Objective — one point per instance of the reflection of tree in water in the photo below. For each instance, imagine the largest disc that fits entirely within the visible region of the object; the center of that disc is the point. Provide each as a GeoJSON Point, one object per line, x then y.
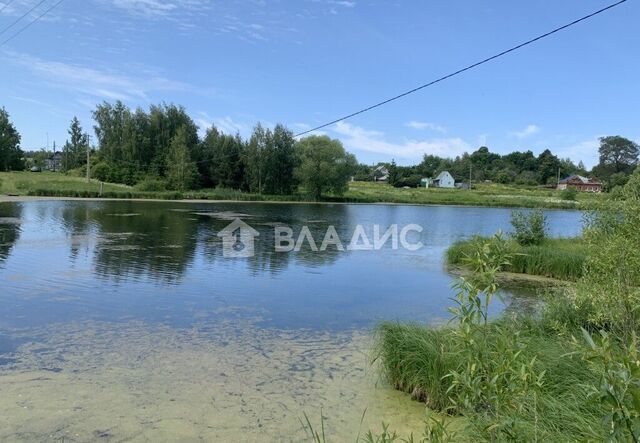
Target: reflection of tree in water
{"type": "Point", "coordinates": [77, 221]}
{"type": "Point", "coordinates": [144, 239]}
{"type": "Point", "coordinates": [10, 214]}
{"type": "Point", "coordinates": [317, 218]}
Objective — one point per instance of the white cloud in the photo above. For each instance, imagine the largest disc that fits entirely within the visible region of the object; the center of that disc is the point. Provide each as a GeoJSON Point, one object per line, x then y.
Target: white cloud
{"type": "Point", "coordinates": [224, 124]}
{"type": "Point", "coordinates": [346, 4]}
{"type": "Point", "coordinates": [526, 132]}
{"type": "Point", "coordinates": [585, 151]}
{"type": "Point", "coordinates": [146, 7]}
{"type": "Point", "coordinates": [105, 84]}
{"type": "Point", "coordinates": [355, 137]}
{"type": "Point", "coordinates": [425, 125]}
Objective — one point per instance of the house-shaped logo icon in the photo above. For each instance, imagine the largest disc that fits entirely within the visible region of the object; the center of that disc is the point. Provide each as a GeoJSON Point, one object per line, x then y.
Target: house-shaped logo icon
{"type": "Point", "coordinates": [238, 239]}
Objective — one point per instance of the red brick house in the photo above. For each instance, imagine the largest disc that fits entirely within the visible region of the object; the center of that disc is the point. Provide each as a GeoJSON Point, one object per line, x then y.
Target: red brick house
{"type": "Point", "coordinates": [583, 184]}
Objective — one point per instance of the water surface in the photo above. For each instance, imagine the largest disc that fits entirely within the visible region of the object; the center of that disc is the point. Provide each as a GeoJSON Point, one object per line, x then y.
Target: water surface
{"type": "Point", "coordinates": [123, 320]}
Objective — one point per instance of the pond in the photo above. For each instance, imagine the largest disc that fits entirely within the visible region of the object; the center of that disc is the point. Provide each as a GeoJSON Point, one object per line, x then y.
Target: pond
{"type": "Point", "coordinates": [124, 320]}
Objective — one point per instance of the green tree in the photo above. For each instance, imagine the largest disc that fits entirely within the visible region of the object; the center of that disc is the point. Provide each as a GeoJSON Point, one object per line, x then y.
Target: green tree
{"type": "Point", "coordinates": [181, 171]}
{"type": "Point", "coordinates": [75, 149]}
{"type": "Point", "coordinates": [10, 152]}
{"type": "Point", "coordinates": [618, 153]}
{"type": "Point", "coordinates": [255, 159]}
{"type": "Point", "coordinates": [324, 165]}
{"type": "Point", "coordinates": [394, 174]}
{"type": "Point", "coordinates": [220, 159]}
{"type": "Point", "coordinates": [548, 166]}
{"type": "Point", "coordinates": [280, 162]}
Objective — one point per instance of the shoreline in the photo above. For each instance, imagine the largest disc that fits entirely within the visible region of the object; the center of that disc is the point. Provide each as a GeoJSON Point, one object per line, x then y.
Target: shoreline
{"type": "Point", "coordinates": [27, 198]}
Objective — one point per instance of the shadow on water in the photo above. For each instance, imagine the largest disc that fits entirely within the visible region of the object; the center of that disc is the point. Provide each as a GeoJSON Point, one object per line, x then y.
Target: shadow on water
{"type": "Point", "coordinates": [10, 219]}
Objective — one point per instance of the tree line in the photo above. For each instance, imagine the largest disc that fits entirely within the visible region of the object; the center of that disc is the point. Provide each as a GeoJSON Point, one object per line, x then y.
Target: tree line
{"type": "Point", "coordinates": [160, 148]}
{"type": "Point", "coordinates": [618, 157]}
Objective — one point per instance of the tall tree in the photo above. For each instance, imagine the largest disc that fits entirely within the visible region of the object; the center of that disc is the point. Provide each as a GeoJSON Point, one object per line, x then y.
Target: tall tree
{"type": "Point", "coordinates": [181, 171]}
{"type": "Point", "coordinates": [255, 159]}
{"type": "Point", "coordinates": [281, 162]}
{"type": "Point", "coordinates": [618, 153]}
{"type": "Point", "coordinates": [548, 165]}
{"type": "Point", "coordinates": [394, 174]}
{"type": "Point", "coordinates": [324, 165]}
{"type": "Point", "coordinates": [220, 159]}
{"type": "Point", "coordinates": [10, 152]}
{"type": "Point", "coordinates": [75, 149]}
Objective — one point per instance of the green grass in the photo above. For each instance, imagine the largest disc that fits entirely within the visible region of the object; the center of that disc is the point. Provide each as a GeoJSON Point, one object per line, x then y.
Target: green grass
{"type": "Point", "coordinates": [22, 183]}
{"type": "Point", "coordinates": [482, 195]}
{"type": "Point", "coordinates": [60, 185]}
{"type": "Point", "coordinates": [416, 359]}
{"type": "Point", "coordinates": [559, 258]}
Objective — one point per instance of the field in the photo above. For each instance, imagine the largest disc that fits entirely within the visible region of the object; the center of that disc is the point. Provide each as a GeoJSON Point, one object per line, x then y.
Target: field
{"type": "Point", "coordinates": [60, 185]}
{"type": "Point", "coordinates": [483, 194]}
{"type": "Point", "coordinates": [22, 183]}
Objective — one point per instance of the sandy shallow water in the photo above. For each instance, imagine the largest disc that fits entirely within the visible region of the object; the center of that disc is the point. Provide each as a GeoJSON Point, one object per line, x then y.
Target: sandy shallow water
{"type": "Point", "coordinates": [232, 382]}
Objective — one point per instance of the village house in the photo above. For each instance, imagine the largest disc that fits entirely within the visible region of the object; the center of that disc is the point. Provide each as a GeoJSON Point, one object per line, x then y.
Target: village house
{"type": "Point", "coordinates": [580, 183]}
{"type": "Point", "coordinates": [444, 180]}
{"type": "Point", "coordinates": [54, 162]}
{"type": "Point", "coordinates": [381, 174]}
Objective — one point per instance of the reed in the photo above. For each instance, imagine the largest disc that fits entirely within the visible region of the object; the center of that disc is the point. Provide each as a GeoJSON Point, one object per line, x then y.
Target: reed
{"type": "Point", "coordinates": [559, 258]}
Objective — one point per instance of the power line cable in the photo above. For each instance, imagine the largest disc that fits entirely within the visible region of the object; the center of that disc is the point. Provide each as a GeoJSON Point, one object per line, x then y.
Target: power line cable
{"type": "Point", "coordinates": [28, 25]}
{"type": "Point", "coordinates": [5, 5]}
{"type": "Point", "coordinates": [21, 17]}
{"type": "Point", "coordinates": [467, 68]}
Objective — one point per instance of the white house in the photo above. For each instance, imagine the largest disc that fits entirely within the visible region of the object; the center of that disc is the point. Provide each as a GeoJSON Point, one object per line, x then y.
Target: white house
{"type": "Point", "coordinates": [444, 180]}
{"type": "Point", "coordinates": [381, 174]}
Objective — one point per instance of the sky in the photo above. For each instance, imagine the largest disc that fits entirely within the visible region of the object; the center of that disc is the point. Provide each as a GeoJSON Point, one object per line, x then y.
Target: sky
{"type": "Point", "coordinates": [305, 62]}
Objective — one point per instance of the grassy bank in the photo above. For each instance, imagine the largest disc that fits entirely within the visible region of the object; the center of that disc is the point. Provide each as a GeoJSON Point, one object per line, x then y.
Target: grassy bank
{"type": "Point", "coordinates": [59, 185]}
{"type": "Point", "coordinates": [483, 194]}
{"type": "Point", "coordinates": [420, 360]}
{"type": "Point", "coordinates": [558, 258]}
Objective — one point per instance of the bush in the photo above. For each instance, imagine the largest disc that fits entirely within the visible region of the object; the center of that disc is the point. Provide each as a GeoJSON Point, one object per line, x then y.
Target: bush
{"type": "Point", "coordinates": [100, 171]}
{"type": "Point", "coordinates": [529, 227]}
{"type": "Point", "coordinates": [412, 181]}
{"type": "Point", "coordinates": [570, 194]}
{"type": "Point", "coordinates": [151, 184]}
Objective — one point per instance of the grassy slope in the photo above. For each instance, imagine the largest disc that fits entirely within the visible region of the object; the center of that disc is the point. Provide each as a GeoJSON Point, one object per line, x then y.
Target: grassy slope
{"type": "Point", "coordinates": [20, 183]}
{"type": "Point", "coordinates": [56, 184]}
{"type": "Point", "coordinates": [483, 195]}
{"type": "Point", "coordinates": [559, 258]}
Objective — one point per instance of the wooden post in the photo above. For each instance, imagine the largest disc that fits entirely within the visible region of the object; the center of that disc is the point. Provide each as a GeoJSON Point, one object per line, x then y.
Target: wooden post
{"type": "Point", "coordinates": [88, 154]}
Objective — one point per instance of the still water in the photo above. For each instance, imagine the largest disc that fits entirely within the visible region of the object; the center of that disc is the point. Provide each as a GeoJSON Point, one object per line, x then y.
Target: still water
{"type": "Point", "coordinates": [124, 321]}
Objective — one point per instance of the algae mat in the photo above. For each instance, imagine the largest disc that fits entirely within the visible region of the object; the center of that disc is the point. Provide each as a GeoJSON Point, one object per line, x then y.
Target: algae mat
{"type": "Point", "coordinates": [96, 381]}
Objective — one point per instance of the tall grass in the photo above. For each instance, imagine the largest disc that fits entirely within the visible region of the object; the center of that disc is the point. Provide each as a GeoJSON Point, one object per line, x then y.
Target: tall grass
{"type": "Point", "coordinates": [559, 258]}
{"type": "Point", "coordinates": [417, 359]}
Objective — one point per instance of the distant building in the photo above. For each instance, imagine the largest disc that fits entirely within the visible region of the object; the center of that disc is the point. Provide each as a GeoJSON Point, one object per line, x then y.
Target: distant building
{"type": "Point", "coordinates": [426, 182]}
{"type": "Point", "coordinates": [444, 180]}
{"type": "Point", "coordinates": [54, 162]}
{"type": "Point", "coordinates": [580, 183]}
{"type": "Point", "coordinates": [381, 174]}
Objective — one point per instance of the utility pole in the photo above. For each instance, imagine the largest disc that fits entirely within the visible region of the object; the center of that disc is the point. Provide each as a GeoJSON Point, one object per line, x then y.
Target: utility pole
{"type": "Point", "coordinates": [558, 183]}
{"type": "Point", "coordinates": [470, 166]}
{"type": "Point", "coordinates": [88, 155]}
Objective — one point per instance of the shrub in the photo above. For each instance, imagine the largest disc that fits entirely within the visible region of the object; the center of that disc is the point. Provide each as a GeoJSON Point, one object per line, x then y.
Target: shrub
{"type": "Point", "coordinates": [570, 194]}
{"type": "Point", "coordinates": [100, 171]}
{"type": "Point", "coordinates": [529, 227]}
{"type": "Point", "coordinates": [151, 184]}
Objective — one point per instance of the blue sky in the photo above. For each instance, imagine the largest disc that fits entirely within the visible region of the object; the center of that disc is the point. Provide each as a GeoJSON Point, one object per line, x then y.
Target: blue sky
{"type": "Point", "coordinates": [304, 62]}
